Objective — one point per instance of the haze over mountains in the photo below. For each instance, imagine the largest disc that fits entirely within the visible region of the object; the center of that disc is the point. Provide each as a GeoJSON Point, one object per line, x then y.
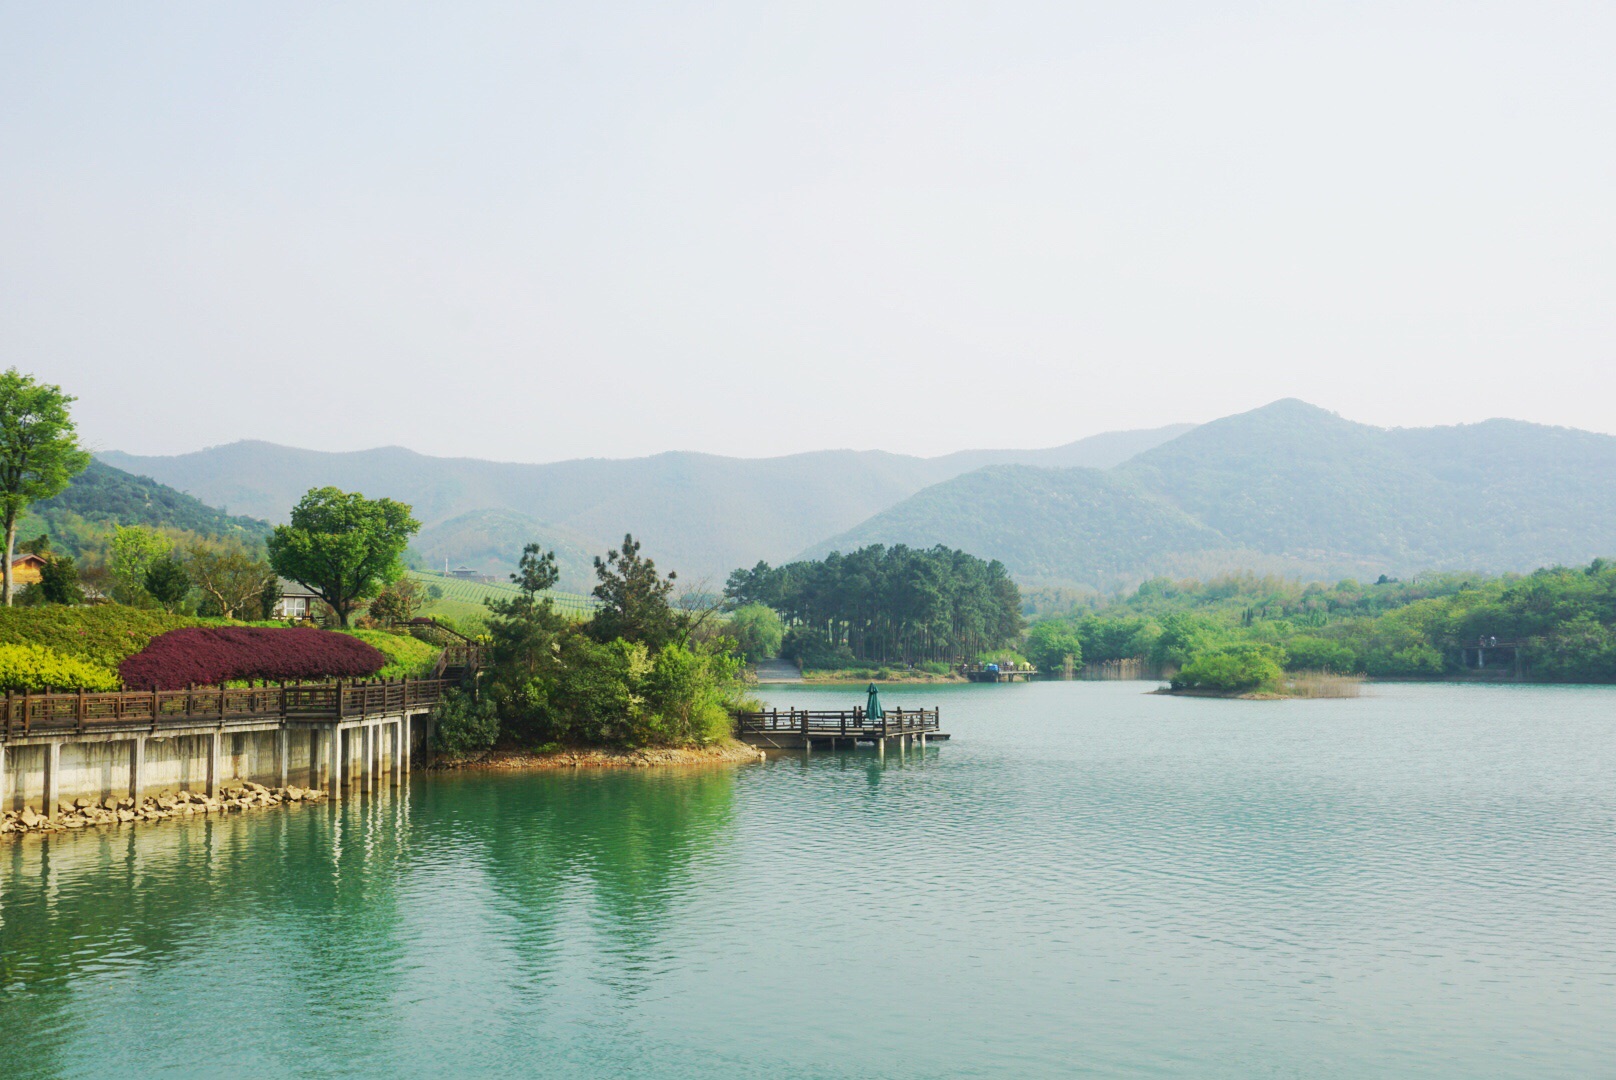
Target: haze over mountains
{"type": "Point", "coordinates": [699, 513]}
{"type": "Point", "coordinates": [1287, 488]}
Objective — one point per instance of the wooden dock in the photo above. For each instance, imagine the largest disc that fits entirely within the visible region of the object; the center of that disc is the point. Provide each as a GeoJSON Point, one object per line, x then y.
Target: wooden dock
{"type": "Point", "coordinates": [996, 673]}
{"type": "Point", "coordinates": [805, 729]}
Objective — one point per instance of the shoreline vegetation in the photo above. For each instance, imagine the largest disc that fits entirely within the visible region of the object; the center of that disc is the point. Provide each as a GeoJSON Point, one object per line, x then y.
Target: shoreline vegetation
{"type": "Point", "coordinates": [1242, 633]}
{"type": "Point", "coordinates": [1298, 686]}
{"type": "Point", "coordinates": [723, 752]}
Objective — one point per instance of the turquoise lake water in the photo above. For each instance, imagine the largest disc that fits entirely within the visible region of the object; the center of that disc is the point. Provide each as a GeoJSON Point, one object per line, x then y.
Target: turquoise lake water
{"type": "Point", "coordinates": [1087, 881]}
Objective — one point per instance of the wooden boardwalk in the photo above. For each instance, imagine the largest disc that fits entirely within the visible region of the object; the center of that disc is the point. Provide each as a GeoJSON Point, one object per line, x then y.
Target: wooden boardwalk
{"type": "Point", "coordinates": [804, 729]}
{"type": "Point", "coordinates": [344, 733]}
{"type": "Point", "coordinates": [28, 715]}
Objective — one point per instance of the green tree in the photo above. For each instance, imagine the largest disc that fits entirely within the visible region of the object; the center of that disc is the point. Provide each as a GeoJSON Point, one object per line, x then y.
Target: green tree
{"type": "Point", "coordinates": [39, 452]}
{"type": "Point", "coordinates": [634, 598]}
{"type": "Point", "coordinates": [343, 546]}
{"type": "Point", "coordinates": [167, 582]}
{"type": "Point", "coordinates": [231, 581]}
{"type": "Point", "coordinates": [1233, 669]}
{"type": "Point", "coordinates": [132, 551]}
{"type": "Point", "coordinates": [1052, 644]}
{"type": "Point", "coordinates": [397, 603]}
{"type": "Point", "coordinates": [757, 630]}
{"type": "Point", "coordinates": [463, 723]}
{"type": "Point", "coordinates": [59, 581]}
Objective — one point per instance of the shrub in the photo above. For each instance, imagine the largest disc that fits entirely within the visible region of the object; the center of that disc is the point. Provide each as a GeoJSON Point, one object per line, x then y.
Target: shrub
{"type": "Point", "coordinates": [1233, 669]}
{"type": "Point", "coordinates": [462, 724]}
{"type": "Point", "coordinates": [103, 635]}
{"type": "Point", "coordinates": [1306, 653]}
{"type": "Point", "coordinates": [407, 657]}
{"type": "Point", "coordinates": [34, 667]}
{"type": "Point", "coordinates": [204, 656]}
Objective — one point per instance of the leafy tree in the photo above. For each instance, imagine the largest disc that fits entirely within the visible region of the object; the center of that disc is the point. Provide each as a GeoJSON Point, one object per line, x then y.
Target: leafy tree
{"type": "Point", "coordinates": [59, 581]}
{"type": "Point", "coordinates": [887, 604]}
{"type": "Point", "coordinates": [230, 580]}
{"type": "Point", "coordinates": [39, 545]}
{"type": "Point", "coordinates": [167, 582]}
{"type": "Point", "coordinates": [1233, 669]}
{"type": "Point", "coordinates": [463, 723]}
{"type": "Point", "coordinates": [39, 452]}
{"type": "Point", "coordinates": [396, 603]}
{"type": "Point", "coordinates": [133, 550]}
{"type": "Point", "coordinates": [635, 600]}
{"type": "Point", "coordinates": [1052, 645]}
{"type": "Point", "coordinates": [342, 546]}
{"type": "Point", "coordinates": [757, 630]}
{"type": "Point", "coordinates": [269, 595]}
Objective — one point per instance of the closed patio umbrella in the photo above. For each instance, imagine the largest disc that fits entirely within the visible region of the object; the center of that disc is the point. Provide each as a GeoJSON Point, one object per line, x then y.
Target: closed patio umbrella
{"type": "Point", "coordinates": [873, 709]}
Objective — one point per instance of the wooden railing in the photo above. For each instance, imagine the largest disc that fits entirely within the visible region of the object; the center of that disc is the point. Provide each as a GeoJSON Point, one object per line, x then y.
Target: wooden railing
{"type": "Point", "coordinates": [65, 713]}
{"type": "Point", "coordinates": [468, 657]}
{"type": "Point", "coordinates": [849, 722]}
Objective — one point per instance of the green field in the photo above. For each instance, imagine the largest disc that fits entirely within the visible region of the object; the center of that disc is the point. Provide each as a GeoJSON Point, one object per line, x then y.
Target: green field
{"type": "Point", "coordinates": [457, 592]}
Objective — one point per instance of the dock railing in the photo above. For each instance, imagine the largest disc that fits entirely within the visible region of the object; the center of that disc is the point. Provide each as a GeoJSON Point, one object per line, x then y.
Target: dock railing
{"type": "Point", "coordinates": [846, 723]}
{"type": "Point", "coordinates": [79, 712]}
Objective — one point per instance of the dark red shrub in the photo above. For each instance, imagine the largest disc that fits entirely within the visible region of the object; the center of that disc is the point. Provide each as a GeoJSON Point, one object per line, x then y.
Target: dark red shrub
{"type": "Point", "coordinates": [207, 655]}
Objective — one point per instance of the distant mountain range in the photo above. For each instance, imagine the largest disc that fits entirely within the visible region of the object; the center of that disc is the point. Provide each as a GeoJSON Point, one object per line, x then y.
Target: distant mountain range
{"type": "Point", "coordinates": [1288, 488]}
{"type": "Point", "coordinates": [701, 514]}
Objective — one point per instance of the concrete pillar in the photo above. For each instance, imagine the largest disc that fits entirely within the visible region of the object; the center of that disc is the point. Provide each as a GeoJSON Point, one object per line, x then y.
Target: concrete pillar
{"type": "Point", "coordinates": [53, 774]}
{"type": "Point", "coordinates": [3, 784]}
{"type": "Point", "coordinates": [880, 748]}
{"type": "Point", "coordinates": [213, 765]}
{"type": "Point", "coordinates": [137, 765]}
{"type": "Point", "coordinates": [333, 754]}
{"type": "Point", "coordinates": [401, 750]}
{"type": "Point", "coordinates": [404, 747]}
{"type": "Point", "coordinates": [283, 752]}
{"type": "Point", "coordinates": [366, 748]}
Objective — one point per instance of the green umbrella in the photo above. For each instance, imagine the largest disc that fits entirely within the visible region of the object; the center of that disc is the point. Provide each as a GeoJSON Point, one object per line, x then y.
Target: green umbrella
{"type": "Point", "coordinates": [873, 710]}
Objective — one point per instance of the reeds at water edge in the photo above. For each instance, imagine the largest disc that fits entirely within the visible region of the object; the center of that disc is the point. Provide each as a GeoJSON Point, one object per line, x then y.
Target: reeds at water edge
{"type": "Point", "coordinates": [1323, 684]}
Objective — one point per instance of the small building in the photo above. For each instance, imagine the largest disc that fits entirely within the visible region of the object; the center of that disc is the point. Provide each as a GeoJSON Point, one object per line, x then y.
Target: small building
{"type": "Point", "coordinates": [26, 570]}
{"type": "Point", "coordinates": [465, 573]}
{"type": "Point", "coordinates": [296, 602]}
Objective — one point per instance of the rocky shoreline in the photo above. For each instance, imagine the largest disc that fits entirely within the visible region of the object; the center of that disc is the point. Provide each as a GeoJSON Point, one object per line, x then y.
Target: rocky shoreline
{"type": "Point", "coordinates": [84, 813]}
{"type": "Point", "coordinates": [729, 752]}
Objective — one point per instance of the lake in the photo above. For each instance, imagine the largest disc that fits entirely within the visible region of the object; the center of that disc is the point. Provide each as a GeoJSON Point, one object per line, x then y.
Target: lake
{"type": "Point", "coordinates": [1088, 880]}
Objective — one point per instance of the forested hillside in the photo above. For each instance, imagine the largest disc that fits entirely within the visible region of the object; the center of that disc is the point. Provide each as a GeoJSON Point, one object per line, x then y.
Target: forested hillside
{"type": "Point", "coordinates": [1287, 488]}
{"type": "Point", "coordinates": [102, 496]}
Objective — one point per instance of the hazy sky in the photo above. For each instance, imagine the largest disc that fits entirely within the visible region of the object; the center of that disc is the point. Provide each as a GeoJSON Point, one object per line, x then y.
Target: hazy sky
{"type": "Point", "coordinates": [536, 231]}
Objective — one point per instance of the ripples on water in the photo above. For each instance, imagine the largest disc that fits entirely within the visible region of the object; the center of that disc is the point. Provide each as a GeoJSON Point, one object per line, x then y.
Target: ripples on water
{"type": "Point", "coordinates": [1087, 880]}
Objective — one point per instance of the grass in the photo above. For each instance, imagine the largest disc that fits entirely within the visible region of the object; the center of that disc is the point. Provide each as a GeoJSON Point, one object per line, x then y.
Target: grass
{"type": "Point", "coordinates": [102, 635]}
{"type": "Point", "coordinates": [1322, 684]}
{"type": "Point", "coordinates": [457, 592]}
{"type": "Point", "coordinates": [407, 657]}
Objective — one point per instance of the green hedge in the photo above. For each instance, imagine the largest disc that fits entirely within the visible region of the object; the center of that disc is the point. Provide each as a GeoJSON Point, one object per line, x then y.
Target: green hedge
{"type": "Point", "coordinates": [103, 635]}
{"type": "Point", "coordinates": [407, 657]}
{"type": "Point", "coordinates": [35, 667]}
